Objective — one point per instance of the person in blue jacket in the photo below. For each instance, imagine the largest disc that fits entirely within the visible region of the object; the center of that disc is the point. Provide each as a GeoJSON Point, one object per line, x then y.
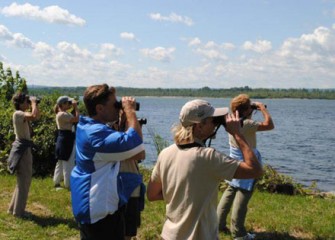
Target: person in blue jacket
{"type": "Point", "coordinates": [99, 191]}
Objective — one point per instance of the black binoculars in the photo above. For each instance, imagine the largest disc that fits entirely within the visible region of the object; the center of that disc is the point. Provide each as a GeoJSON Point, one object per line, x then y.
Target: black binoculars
{"type": "Point", "coordinates": [38, 100]}
{"type": "Point", "coordinates": [142, 121]}
{"type": "Point", "coordinates": [118, 105]}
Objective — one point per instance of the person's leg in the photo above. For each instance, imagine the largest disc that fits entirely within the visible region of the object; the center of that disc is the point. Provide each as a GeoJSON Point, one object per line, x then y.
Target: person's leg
{"type": "Point", "coordinates": [14, 197]}
{"type": "Point", "coordinates": [110, 227]}
{"type": "Point", "coordinates": [24, 175]}
{"type": "Point", "coordinates": [224, 206]}
{"type": "Point", "coordinates": [58, 174]}
{"type": "Point", "coordinates": [67, 168]}
{"type": "Point", "coordinates": [239, 213]}
{"type": "Point", "coordinates": [132, 217]}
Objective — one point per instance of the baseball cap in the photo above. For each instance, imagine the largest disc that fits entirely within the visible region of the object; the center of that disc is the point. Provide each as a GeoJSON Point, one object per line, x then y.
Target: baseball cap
{"type": "Point", "coordinates": [64, 99]}
{"type": "Point", "coordinates": [197, 110]}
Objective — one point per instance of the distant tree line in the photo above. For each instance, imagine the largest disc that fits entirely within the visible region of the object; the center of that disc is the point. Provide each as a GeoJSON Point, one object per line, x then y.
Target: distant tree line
{"type": "Point", "coordinates": [259, 93]}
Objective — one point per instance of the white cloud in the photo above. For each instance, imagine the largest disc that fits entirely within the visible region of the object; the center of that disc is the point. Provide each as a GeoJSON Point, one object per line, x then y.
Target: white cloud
{"type": "Point", "coordinates": [210, 44]}
{"type": "Point", "coordinates": [150, 77]}
{"type": "Point", "coordinates": [211, 51]}
{"type": "Point", "coordinates": [22, 41]}
{"type": "Point", "coordinates": [319, 45]}
{"type": "Point", "coordinates": [159, 53]}
{"type": "Point", "coordinates": [261, 46]}
{"type": "Point", "coordinates": [194, 42]}
{"type": "Point", "coordinates": [228, 46]}
{"type": "Point", "coordinates": [15, 39]}
{"type": "Point", "coordinates": [128, 36]}
{"type": "Point", "coordinates": [173, 17]}
{"type": "Point", "coordinates": [110, 50]}
{"type": "Point", "coordinates": [50, 14]}
{"type": "Point", "coordinates": [70, 65]}
{"type": "Point", "coordinates": [43, 50]}
{"type": "Point", "coordinates": [211, 54]}
{"type": "Point", "coordinates": [5, 33]}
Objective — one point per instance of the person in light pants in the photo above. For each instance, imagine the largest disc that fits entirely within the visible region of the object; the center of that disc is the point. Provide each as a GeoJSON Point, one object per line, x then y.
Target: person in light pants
{"type": "Point", "coordinates": [65, 147]}
{"type": "Point", "coordinates": [63, 170]}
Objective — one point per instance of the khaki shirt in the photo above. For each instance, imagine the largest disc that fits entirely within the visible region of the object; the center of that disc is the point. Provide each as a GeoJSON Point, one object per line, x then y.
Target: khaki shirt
{"type": "Point", "coordinates": [63, 121]}
{"type": "Point", "coordinates": [248, 130]}
{"type": "Point", "coordinates": [21, 126]}
{"type": "Point", "coordinates": [190, 179]}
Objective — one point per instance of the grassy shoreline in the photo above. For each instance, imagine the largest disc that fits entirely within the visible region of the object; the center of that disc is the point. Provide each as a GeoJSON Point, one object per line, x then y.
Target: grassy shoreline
{"type": "Point", "coordinates": [271, 216]}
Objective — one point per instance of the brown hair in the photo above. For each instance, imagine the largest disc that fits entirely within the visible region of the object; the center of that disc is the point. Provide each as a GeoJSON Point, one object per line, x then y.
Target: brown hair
{"type": "Point", "coordinates": [96, 94]}
{"type": "Point", "coordinates": [18, 99]}
{"type": "Point", "coordinates": [241, 103]}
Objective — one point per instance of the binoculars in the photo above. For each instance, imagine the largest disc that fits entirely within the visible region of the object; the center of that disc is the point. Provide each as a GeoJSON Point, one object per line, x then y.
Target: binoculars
{"type": "Point", "coordinates": [142, 121]}
{"type": "Point", "coordinates": [38, 100]}
{"type": "Point", "coordinates": [118, 105]}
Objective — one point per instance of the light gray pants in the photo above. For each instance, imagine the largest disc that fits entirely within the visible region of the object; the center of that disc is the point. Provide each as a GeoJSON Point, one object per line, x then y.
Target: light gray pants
{"type": "Point", "coordinates": [23, 180]}
{"type": "Point", "coordinates": [239, 198]}
{"type": "Point", "coordinates": [63, 170]}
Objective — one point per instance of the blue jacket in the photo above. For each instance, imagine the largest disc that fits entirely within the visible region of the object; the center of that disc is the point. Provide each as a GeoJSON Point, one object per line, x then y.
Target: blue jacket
{"type": "Point", "coordinates": [97, 188]}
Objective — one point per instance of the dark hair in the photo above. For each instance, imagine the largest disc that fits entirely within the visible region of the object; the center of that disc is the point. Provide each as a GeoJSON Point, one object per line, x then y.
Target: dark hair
{"type": "Point", "coordinates": [96, 94]}
{"type": "Point", "coordinates": [18, 99]}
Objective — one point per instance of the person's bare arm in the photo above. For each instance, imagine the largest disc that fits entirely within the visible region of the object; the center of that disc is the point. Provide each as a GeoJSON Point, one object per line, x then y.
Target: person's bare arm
{"type": "Point", "coordinates": [75, 118]}
{"type": "Point", "coordinates": [129, 106]}
{"type": "Point", "coordinates": [154, 191]}
{"type": "Point", "coordinates": [267, 124]}
{"type": "Point", "coordinates": [35, 112]}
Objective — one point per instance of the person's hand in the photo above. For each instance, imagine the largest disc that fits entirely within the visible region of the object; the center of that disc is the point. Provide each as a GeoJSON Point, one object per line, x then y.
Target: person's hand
{"type": "Point", "coordinates": [33, 100]}
{"type": "Point", "coordinates": [260, 106]}
{"type": "Point", "coordinates": [233, 124]}
{"type": "Point", "coordinates": [74, 103]}
{"type": "Point", "coordinates": [128, 104]}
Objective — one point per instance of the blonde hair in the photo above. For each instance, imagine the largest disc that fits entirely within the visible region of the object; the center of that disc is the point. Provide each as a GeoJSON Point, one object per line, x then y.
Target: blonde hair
{"type": "Point", "coordinates": [56, 108]}
{"type": "Point", "coordinates": [241, 103]}
{"type": "Point", "coordinates": [182, 135]}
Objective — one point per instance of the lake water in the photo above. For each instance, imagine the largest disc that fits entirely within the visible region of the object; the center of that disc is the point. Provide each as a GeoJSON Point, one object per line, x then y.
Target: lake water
{"type": "Point", "coordinates": [302, 145]}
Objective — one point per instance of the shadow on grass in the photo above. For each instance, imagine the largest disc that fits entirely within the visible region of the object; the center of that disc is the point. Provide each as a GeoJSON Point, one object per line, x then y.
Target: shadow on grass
{"type": "Point", "coordinates": [280, 236]}
{"type": "Point", "coordinates": [275, 235]}
{"type": "Point", "coordinates": [46, 221]}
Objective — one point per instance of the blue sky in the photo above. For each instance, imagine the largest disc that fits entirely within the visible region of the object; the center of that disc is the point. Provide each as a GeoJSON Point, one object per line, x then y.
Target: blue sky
{"type": "Point", "coordinates": [171, 44]}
